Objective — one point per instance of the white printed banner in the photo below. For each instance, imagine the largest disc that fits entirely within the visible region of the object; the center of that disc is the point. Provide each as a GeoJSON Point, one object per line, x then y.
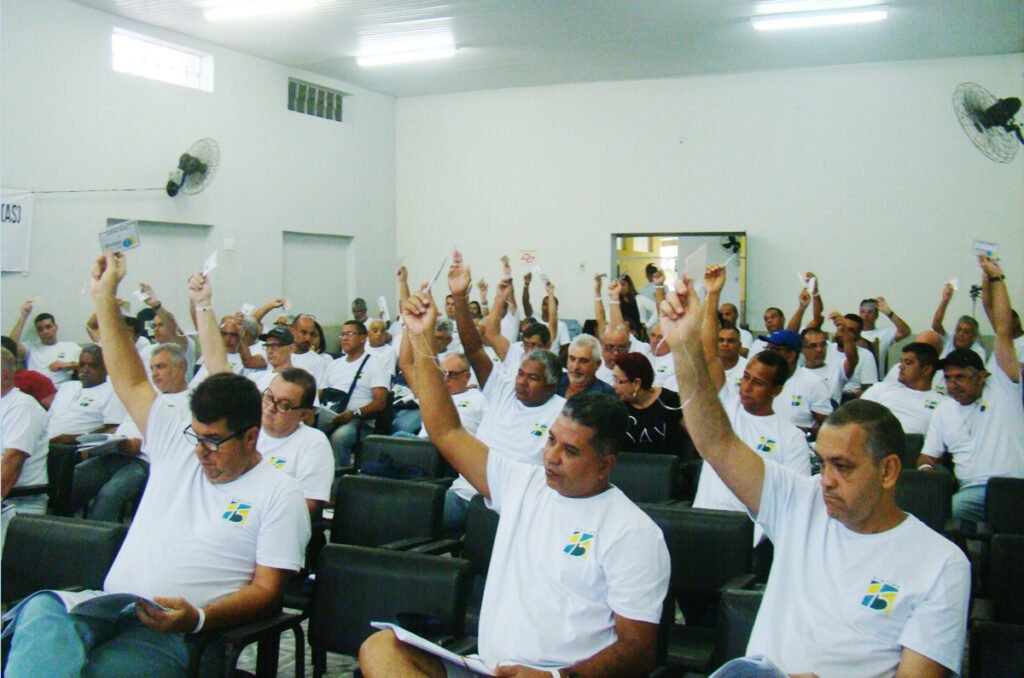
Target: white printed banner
{"type": "Point", "coordinates": [15, 229]}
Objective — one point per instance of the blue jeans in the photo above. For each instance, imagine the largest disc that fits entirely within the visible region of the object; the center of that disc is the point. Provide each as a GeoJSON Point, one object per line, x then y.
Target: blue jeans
{"type": "Point", "coordinates": [49, 642]}
{"type": "Point", "coordinates": [455, 510]}
{"type": "Point", "coordinates": [409, 421]}
{"type": "Point", "coordinates": [113, 479]}
{"type": "Point", "coordinates": [344, 438]}
{"type": "Point", "coordinates": [969, 503]}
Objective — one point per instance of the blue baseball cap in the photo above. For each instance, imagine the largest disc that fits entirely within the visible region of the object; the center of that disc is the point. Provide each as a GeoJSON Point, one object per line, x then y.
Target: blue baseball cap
{"type": "Point", "coordinates": [787, 338]}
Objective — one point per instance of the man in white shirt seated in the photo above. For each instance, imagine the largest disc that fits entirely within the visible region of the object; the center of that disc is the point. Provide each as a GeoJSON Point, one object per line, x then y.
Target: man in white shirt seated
{"type": "Point", "coordinates": [88, 405]}
{"type": "Point", "coordinates": [887, 336]}
{"type": "Point", "coordinates": [981, 424]}
{"type": "Point", "coordinates": [933, 339]}
{"type": "Point", "coordinates": [774, 321]}
{"type": "Point", "coordinates": [377, 345]}
{"type": "Point", "coordinates": [25, 445]}
{"type": "Point", "coordinates": [470, 403]}
{"type": "Point", "coordinates": [727, 349]}
{"type": "Point", "coordinates": [864, 365]}
{"type": "Point", "coordinates": [303, 328]}
{"type": "Point", "coordinates": [911, 399]}
{"type": "Point", "coordinates": [965, 333]}
{"type": "Point", "coordinates": [858, 587]}
{"type": "Point", "coordinates": [804, 398]}
{"type": "Point", "coordinates": [661, 359]}
{"type": "Point", "coordinates": [578, 573]}
{"type": "Point", "coordinates": [215, 538]}
{"type": "Point", "coordinates": [48, 356]}
{"type": "Point", "coordinates": [581, 373]}
{"type": "Point", "coordinates": [730, 317]}
{"type": "Point", "coordinates": [363, 381]}
{"type": "Point", "coordinates": [278, 343]}
{"type": "Point", "coordinates": [814, 351]}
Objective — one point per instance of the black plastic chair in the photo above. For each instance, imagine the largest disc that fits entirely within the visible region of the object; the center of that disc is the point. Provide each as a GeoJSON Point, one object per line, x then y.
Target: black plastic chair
{"type": "Point", "coordinates": [927, 495]}
{"type": "Point", "coordinates": [737, 612]}
{"type": "Point", "coordinates": [997, 622]}
{"type": "Point", "coordinates": [1004, 505]}
{"type": "Point", "coordinates": [372, 511]}
{"type": "Point", "coordinates": [912, 444]}
{"type": "Point", "coordinates": [356, 586]}
{"type": "Point", "coordinates": [710, 551]}
{"type": "Point", "coordinates": [416, 453]}
{"type": "Point", "coordinates": [477, 545]}
{"type": "Point", "coordinates": [647, 478]}
{"type": "Point", "coordinates": [57, 552]}
{"type": "Point", "coordinates": [60, 472]}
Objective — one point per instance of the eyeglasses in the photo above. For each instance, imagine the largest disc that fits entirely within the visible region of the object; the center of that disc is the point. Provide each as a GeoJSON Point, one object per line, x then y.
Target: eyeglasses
{"type": "Point", "coordinates": [613, 348]}
{"type": "Point", "coordinates": [210, 444]}
{"type": "Point", "coordinates": [282, 406]}
{"type": "Point", "coordinates": [453, 374]}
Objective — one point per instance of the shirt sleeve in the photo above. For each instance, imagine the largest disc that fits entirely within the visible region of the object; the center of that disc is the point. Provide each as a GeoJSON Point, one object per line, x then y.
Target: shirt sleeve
{"type": "Point", "coordinates": [938, 624]}
{"type": "Point", "coordinates": [637, 568]}
{"type": "Point", "coordinates": [284, 534]}
{"type": "Point", "coordinates": [506, 478]}
{"type": "Point", "coordinates": [934, 443]}
{"type": "Point", "coordinates": [776, 493]}
{"type": "Point", "coordinates": [22, 428]}
{"type": "Point", "coordinates": [821, 402]}
{"type": "Point", "coordinates": [315, 469]}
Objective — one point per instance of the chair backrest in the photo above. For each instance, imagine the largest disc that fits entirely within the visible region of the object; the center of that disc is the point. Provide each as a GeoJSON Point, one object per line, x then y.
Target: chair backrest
{"type": "Point", "coordinates": [357, 585]}
{"type": "Point", "coordinates": [648, 478]}
{"type": "Point", "coordinates": [414, 452]}
{"type": "Point", "coordinates": [478, 541]}
{"type": "Point", "coordinates": [372, 511]}
{"type": "Point", "coordinates": [54, 552]}
{"type": "Point", "coordinates": [737, 612]}
{"type": "Point", "coordinates": [708, 549]}
{"type": "Point", "coordinates": [1006, 578]}
{"type": "Point", "coordinates": [60, 468]}
{"type": "Point", "coordinates": [928, 495]}
{"type": "Point", "coordinates": [912, 444]}
{"type": "Point", "coordinates": [1004, 505]}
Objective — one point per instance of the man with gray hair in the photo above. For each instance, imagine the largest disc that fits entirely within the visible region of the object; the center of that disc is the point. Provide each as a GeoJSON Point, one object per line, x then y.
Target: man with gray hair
{"type": "Point", "coordinates": [521, 405]}
{"type": "Point", "coordinates": [23, 432]}
{"type": "Point", "coordinates": [581, 375]}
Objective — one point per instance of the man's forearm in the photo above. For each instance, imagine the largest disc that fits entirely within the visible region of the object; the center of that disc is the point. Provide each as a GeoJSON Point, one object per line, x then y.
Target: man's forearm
{"type": "Point", "coordinates": [624, 657]}
{"type": "Point", "coordinates": [939, 317]}
{"type": "Point", "coordinates": [215, 355]}
{"type": "Point", "coordinates": [124, 366]}
{"type": "Point", "coordinates": [10, 469]}
{"type": "Point", "coordinates": [436, 406]}
{"type": "Point", "coordinates": [247, 604]}
{"type": "Point", "coordinates": [527, 306]}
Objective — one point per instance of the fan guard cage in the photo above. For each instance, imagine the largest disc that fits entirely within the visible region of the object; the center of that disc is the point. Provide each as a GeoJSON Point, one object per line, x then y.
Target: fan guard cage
{"type": "Point", "coordinates": [970, 101]}
{"type": "Point", "coordinates": [207, 152]}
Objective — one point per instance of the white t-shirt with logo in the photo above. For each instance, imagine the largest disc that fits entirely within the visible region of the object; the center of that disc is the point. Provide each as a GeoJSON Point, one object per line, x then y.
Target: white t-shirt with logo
{"type": "Point", "coordinates": [803, 394]}
{"type": "Point", "coordinates": [80, 410]}
{"type": "Point", "coordinates": [562, 567]}
{"type": "Point", "coordinates": [839, 603]}
{"type": "Point", "coordinates": [23, 427]}
{"type": "Point", "coordinates": [341, 372]}
{"type": "Point", "coordinates": [471, 405]}
{"type": "Point", "coordinates": [938, 380]}
{"type": "Point", "coordinates": [665, 371]}
{"type": "Point", "coordinates": [773, 437]}
{"type": "Point", "coordinates": [41, 356]}
{"type": "Point", "coordinates": [913, 408]}
{"type": "Point", "coordinates": [864, 374]}
{"type": "Point", "coordinates": [510, 428]}
{"type": "Point", "coordinates": [305, 455]}
{"type": "Point", "coordinates": [734, 376]}
{"type": "Point", "coordinates": [986, 438]}
{"type": "Point", "coordinates": [200, 540]}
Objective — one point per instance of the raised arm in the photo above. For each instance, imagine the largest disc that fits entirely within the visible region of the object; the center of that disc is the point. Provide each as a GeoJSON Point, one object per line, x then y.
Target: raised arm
{"type": "Point", "coordinates": [602, 322]}
{"type": "Point", "coordinates": [249, 360]}
{"type": "Point", "coordinates": [124, 367]}
{"type": "Point", "coordinates": [849, 348]}
{"type": "Point", "coordinates": [485, 308]}
{"type": "Point", "coordinates": [659, 288]}
{"type": "Point", "coordinates": [464, 452]}
{"type": "Point", "coordinates": [166, 317]}
{"type": "Point", "coordinates": [266, 308]}
{"type": "Point", "coordinates": [459, 281]}
{"type": "Point", "coordinates": [527, 306]}
{"type": "Point", "coordinates": [19, 327]}
{"type": "Point", "coordinates": [902, 328]}
{"type": "Point", "coordinates": [940, 312]}
{"type": "Point", "coordinates": [405, 360]}
{"type": "Point", "coordinates": [714, 281]}
{"type": "Point", "coordinates": [403, 285]}
{"type": "Point", "coordinates": [736, 464]}
{"type": "Point", "coordinates": [200, 293]}
{"type": "Point", "coordinates": [994, 284]}
{"type": "Point", "coordinates": [615, 289]}
{"type": "Point", "coordinates": [817, 306]}
{"type": "Point", "coordinates": [797, 318]}
{"type": "Point", "coordinates": [492, 323]}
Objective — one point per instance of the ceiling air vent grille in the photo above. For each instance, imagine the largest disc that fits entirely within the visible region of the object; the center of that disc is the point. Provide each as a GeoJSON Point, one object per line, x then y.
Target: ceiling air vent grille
{"type": "Point", "coordinates": [316, 100]}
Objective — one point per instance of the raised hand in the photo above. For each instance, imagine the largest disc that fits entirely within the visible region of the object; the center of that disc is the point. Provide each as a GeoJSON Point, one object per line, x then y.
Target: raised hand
{"type": "Point", "coordinates": [506, 268]}
{"type": "Point", "coordinates": [805, 298]}
{"type": "Point", "coordinates": [107, 273]}
{"type": "Point", "coordinates": [549, 287]}
{"type": "Point", "coordinates": [681, 315]}
{"type": "Point", "coordinates": [947, 292]}
{"type": "Point", "coordinates": [151, 299]}
{"type": "Point", "coordinates": [527, 279]}
{"type": "Point", "coordinates": [504, 291]}
{"type": "Point", "coordinates": [459, 277]}
{"type": "Point", "coordinates": [990, 267]}
{"type": "Point", "coordinates": [598, 284]}
{"type": "Point", "coordinates": [419, 314]}
{"type": "Point", "coordinates": [402, 274]}
{"type": "Point", "coordinates": [200, 289]}
{"type": "Point", "coordinates": [883, 305]}
{"type": "Point", "coordinates": [714, 278]}
{"type": "Point", "coordinates": [659, 277]}
{"type": "Point", "coordinates": [26, 309]}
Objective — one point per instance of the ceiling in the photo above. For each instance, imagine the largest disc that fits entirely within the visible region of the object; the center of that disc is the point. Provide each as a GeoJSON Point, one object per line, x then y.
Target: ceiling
{"type": "Point", "coordinates": [512, 43]}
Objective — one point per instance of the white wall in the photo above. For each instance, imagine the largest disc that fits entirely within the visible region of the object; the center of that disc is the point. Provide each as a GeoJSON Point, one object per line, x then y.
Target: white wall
{"type": "Point", "coordinates": [860, 174]}
{"type": "Point", "coordinates": [70, 122]}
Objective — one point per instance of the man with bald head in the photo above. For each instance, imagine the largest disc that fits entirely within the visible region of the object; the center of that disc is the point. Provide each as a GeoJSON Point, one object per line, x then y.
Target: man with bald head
{"type": "Point", "coordinates": [303, 328]}
{"type": "Point", "coordinates": [730, 317]}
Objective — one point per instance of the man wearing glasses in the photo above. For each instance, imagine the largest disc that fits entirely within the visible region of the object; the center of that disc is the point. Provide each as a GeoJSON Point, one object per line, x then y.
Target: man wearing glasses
{"type": "Point", "coordinates": [982, 422]}
{"type": "Point", "coordinates": [279, 344]}
{"type": "Point", "coordinates": [217, 533]}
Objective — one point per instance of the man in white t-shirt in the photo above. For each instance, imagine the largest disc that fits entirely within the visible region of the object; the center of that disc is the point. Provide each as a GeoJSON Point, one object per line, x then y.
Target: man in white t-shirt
{"type": "Point", "coordinates": [365, 383]}
{"type": "Point", "coordinates": [933, 339]}
{"type": "Point", "coordinates": [216, 536]}
{"type": "Point", "coordinates": [911, 399]}
{"type": "Point", "coordinates": [965, 333]}
{"type": "Point", "coordinates": [858, 587]}
{"type": "Point", "coordinates": [522, 402]}
{"type": "Point", "coordinates": [559, 344]}
{"type": "Point", "coordinates": [88, 405]}
{"type": "Point", "coordinates": [815, 348]}
{"type": "Point", "coordinates": [470, 403]}
{"type": "Point", "coordinates": [661, 359]}
{"type": "Point", "coordinates": [981, 424]}
{"type": "Point", "coordinates": [774, 321]}
{"type": "Point", "coordinates": [727, 349]}
{"type": "Point", "coordinates": [303, 329]}
{"type": "Point", "coordinates": [869, 309]}
{"type": "Point", "coordinates": [578, 573]}
{"type": "Point", "coordinates": [864, 371]}
{"type": "Point", "coordinates": [286, 443]}
{"type": "Point", "coordinates": [52, 358]}
{"type": "Point", "coordinates": [804, 398]}
{"type": "Point", "coordinates": [25, 445]}
{"type": "Point", "coordinates": [278, 344]}
{"type": "Point", "coordinates": [378, 346]}
{"type": "Point", "coordinates": [730, 317]}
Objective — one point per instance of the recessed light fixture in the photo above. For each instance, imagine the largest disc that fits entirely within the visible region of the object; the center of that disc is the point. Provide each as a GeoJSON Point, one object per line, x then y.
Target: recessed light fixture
{"type": "Point", "coordinates": [243, 9]}
{"type": "Point", "coordinates": [405, 51]}
{"type": "Point", "coordinates": [842, 17]}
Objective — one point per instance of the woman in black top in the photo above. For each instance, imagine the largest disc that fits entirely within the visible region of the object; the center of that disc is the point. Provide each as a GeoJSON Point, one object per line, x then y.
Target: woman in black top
{"type": "Point", "coordinates": [655, 415]}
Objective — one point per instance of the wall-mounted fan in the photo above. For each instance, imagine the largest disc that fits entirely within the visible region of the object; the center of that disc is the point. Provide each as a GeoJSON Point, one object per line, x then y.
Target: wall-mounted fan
{"type": "Point", "coordinates": [988, 121]}
{"type": "Point", "coordinates": [730, 243]}
{"type": "Point", "coordinates": [196, 168]}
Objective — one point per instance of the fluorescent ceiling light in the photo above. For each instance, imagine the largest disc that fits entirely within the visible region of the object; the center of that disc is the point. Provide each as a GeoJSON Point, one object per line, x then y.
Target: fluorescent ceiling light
{"type": "Point", "coordinates": [408, 50]}
{"type": "Point", "coordinates": [812, 20]}
{"type": "Point", "coordinates": [251, 8]}
{"type": "Point", "coordinates": [793, 6]}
